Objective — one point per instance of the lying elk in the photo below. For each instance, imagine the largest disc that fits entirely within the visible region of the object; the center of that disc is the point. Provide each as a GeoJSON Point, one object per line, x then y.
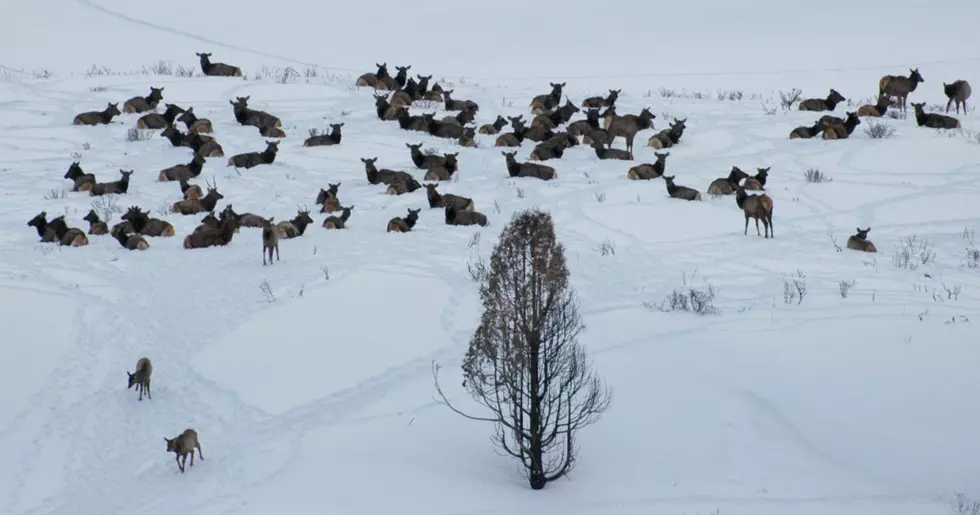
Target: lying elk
{"type": "Point", "coordinates": [217, 69]}
{"type": "Point", "coordinates": [190, 191]}
{"type": "Point", "coordinates": [270, 131]}
{"type": "Point", "coordinates": [425, 161]}
{"type": "Point", "coordinates": [384, 109]}
{"type": "Point", "coordinates": [385, 176]}
{"type": "Point", "coordinates": [933, 120]}
{"type": "Point", "coordinates": [139, 221]}
{"type": "Point", "coordinates": [681, 192]}
{"type": "Point", "coordinates": [327, 199]}
{"type": "Point", "coordinates": [833, 130]}
{"type": "Point", "coordinates": [96, 226]}
{"type": "Point", "coordinates": [458, 105]}
{"type": "Point", "coordinates": [376, 80]}
{"type": "Point", "coordinates": [440, 129]}
{"type": "Point", "coordinates": [611, 153]}
{"type": "Point", "coordinates": [244, 219]}
{"type": "Point", "coordinates": [202, 145]}
{"type": "Point", "coordinates": [900, 86]}
{"type": "Point", "coordinates": [406, 224]}
{"type": "Point", "coordinates": [758, 207]}
{"type": "Point", "coordinates": [669, 137]}
{"type": "Point", "coordinates": [252, 117]}
{"type": "Point", "coordinates": [553, 148]}
{"type": "Point", "coordinates": [443, 172]}
{"type": "Point", "coordinates": [144, 104]}
{"type": "Point", "coordinates": [627, 126]}
{"type": "Point", "coordinates": [57, 230]}
{"type": "Point", "coordinates": [412, 123]}
{"type": "Point", "coordinates": [157, 121]}
{"type": "Point", "coordinates": [253, 159]}
{"type": "Point", "coordinates": [758, 181]}
{"type": "Point", "coordinates": [878, 110]}
{"type": "Point", "coordinates": [183, 173]}
{"type": "Point", "coordinates": [208, 222]}
{"type": "Point", "coordinates": [539, 171]}
{"type": "Point", "coordinates": [597, 101]}
{"type": "Point", "coordinates": [323, 139]}
{"type": "Point", "coordinates": [822, 104]}
{"type": "Point", "coordinates": [338, 222]}
{"type": "Point", "coordinates": [194, 206]}
{"type": "Point", "coordinates": [860, 241]}
{"type": "Point", "coordinates": [212, 237]}
{"type": "Point", "coordinates": [295, 228]}
{"type": "Point", "coordinates": [959, 91]}
{"type": "Point", "coordinates": [184, 444]}
{"type": "Point", "coordinates": [646, 172]}
{"type": "Point", "coordinates": [131, 241]}
{"type": "Point", "coordinates": [195, 124]}
{"type": "Point", "coordinates": [546, 103]}
{"type": "Point", "coordinates": [446, 199]}
{"type": "Point", "coordinates": [559, 116]}
{"type": "Point", "coordinates": [115, 187]}
{"type": "Point", "coordinates": [401, 78]}
{"type": "Point", "coordinates": [805, 132]}
{"type": "Point", "coordinates": [460, 217]}
{"type": "Point", "coordinates": [103, 117]}
{"type": "Point", "coordinates": [270, 241]}
{"type": "Point", "coordinates": [495, 127]}
{"type": "Point", "coordinates": [727, 185]}
{"type": "Point", "coordinates": [81, 181]}
{"type": "Point", "coordinates": [515, 138]}
{"type": "Point", "coordinates": [141, 377]}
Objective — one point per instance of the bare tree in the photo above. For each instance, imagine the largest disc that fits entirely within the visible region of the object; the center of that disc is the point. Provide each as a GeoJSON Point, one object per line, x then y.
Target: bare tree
{"type": "Point", "coordinates": [524, 363]}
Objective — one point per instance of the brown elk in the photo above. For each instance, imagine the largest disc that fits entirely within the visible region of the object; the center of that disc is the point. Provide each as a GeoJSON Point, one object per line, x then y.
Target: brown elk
{"type": "Point", "coordinates": [878, 110]}
{"type": "Point", "coordinates": [183, 172]}
{"type": "Point", "coordinates": [195, 124]}
{"type": "Point", "coordinates": [375, 80]}
{"type": "Point", "coordinates": [131, 241]}
{"type": "Point", "coordinates": [822, 104]}
{"type": "Point", "coordinates": [646, 172]}
{"type": "Point", "coordinates": [546, 103]}
{"type": "Point", "coordinates": [144, 104]}
{"type": "Point", "coordinates": [959, 91]}
{"type": "Point", "coordinates": [212, 237]}
{"type": "Point", "coordinates": [758, 182]}
{"type": "Point", "coordinates": [295, 228]}
{"type": "Point", "coordinates": [442, 200]}
{"type": "Point", "coordinates": [804, 132]}
{"type": "Point", "coordinates": [899, 86]}
{"type": "Point", "coordinates": [385, 176]}
{"type": "Point", "coordinates": [628, 125]}
{"type": "Point", "coordinates": [141, 377]}
{"type": "Point", "coordinates": [204, 204]}
{"type": "Point", "coordinates": [270, 241]}
{"type": "Point", "coordinates": [406, 224]}
{"type": "Point", "coordinates": [933, 120]}
{"type": "Point", "coordinates": [190, 191]}
{"type": "Point", "coordinates": [81, 181]}
{"type": "Point", "coordinates": [758, 207]}
{"type": "Point", "coordinates": [57, 230]}
{"type": "Point", "coordinates": [96, 226]}
{"type": "Point", "coordinates": [681, 192]}
{"type": "Point", "coordinates": [114, 187]}
{"type": "Point", "coordinates": [324, 139]}
{"type": "Point", "coordinates": [217, 69]}
{"type": "Point", "coordinates": [597, 101]}
{"type": "Point", "coordinates": [834, 130]}
{"type": "Point", "coordinates": [255, 118]}
{"type": "Point", "coordinates": [327, 199]}
{"type": "Point", "coordinates": [253, 159]}
{"type": "Point", "coordinates": [539, 171]}
{"type": "Point", "coordinates": [159, 121]}
{"type": "Point", "coordinates": [338, 222]}
{"type": "Point", "coordinates": [139, 221]}
{"type": "Point", "coordinates": [185, 443]}
{"type": "Point", "coordinates": [860, 241]}
{"type": "Point", "coordinates": [493, 128]}
{"type": "Point", "coordinates": [103, 117]}
{"type": "Point", "coordinates": [459, 217]}
{"type": "Point", "coordinates": [727, 185]}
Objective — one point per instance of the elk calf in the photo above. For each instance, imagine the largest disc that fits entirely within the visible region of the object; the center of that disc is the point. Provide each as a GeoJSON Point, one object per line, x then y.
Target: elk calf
{"type": "Point", "coordinates": [103, 117]}
{"type": "Point", "coordinates": [95, 226]}
{"type": "Point", "coordinates": [822, 104]}
{"type": "Point", "coordinates": [406, 224]}
{"type": "Point", "coordinates": [933, 120]}
{"type": "Point", "coordinates": [860, 241]}
{"type": "Point", "coordinates": [646, 172]}
{"type": "Point", "coordinates": [338, 222]}
{"type": "Point", "coordinates": [681, 192]}
{"type": "Point", "coordinates": [217, 69]}
{"type": "Point", "coordinates": [270, 241]}
{"type": "Point", "coordinates": [141, 378]}
{"type": "Point", "coordinates": [253, 159]}
{"type": "Point", "coordinates": [758, 207]}
{"type": "Point", "coordinates": [184, 444]}
{"type": "Point", "coordinates": [144, 104]}
{"type": "Point", "coordinates": [959, 91]}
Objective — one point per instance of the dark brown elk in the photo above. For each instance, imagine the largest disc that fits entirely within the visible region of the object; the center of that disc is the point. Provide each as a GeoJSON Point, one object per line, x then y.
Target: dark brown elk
{"type": "Point", "coordinates": [269, 131]}
{"type": "Point", "coordinates": [559, 116]}
{"type": "Point", "coordinates": [217, 69]}
{"type": "Point", "coordinates": [131, 241]}
{"type": "Point", "coordinates": [182, 173]}
{"type": "Point", "coordinates": [40, 223]}
{"type": "Point", "coordinates": [115, 187]}
{"type": "Point", "coordinates": [140, 378]}
{"type": "Point", "coordinates": [139, 221]}
{"type": "Point", "coordinates": [878, 110]}
{"type": "Point", "coordinates": [515, 138]}
{"type": "Point", "coordinates": [443, 172]}
{"type": "Point", "coordinates": [959, 91]}
{"type": "Point", "coordinates": [681, 192]}
{"type": "Point", "coordinates": [406, 224]}
{"type": "Point", "coordinates": [933, 120]}
{"type": "Point", "coordinates": [384, 109]}
{"type": "Point", "coordinates": [195, 124]}
{"type": "Point", "coordinates": [103, 117]}
{"type": "Point", "coordinates": [757, 182]}
{"type": "Point", "coordinates": [425, 161]}
{"type": "Point", "coordinates": [860, 241]}
{"type": "Point", "coordinates": [758, 207]}
{"type": "Point", "coordinates": [401, 78]}
{"type": "Point", "coordinates": [526, 169]}
{"type": "Point", "coordinates": [458, 105]}
{"type": "Point", "coordinates": [493, 128]}
{"type": "Point", "coordinates": [442, 200]}
{"type": "Point", "coordinates": [208, 222]}
{"type": "Point", "coordinates": [58, 230]}
{"type": "Point", "coordinates": [255, 118]}
{"type": "Point", "coordinates": [553, 148]}
{"type": "Point", "coordinates": [468, 139]}
{"type": "Point", "coordinates": [627, 126]}
{"type": "Point", "coordinates": [338, 222]}
{"type": "Point", "coordinates": [186, 442]}
{"type": "Point", "coordinates": [159, 121]}
{"type": "Point", "coordinates": [144, 104]}
{"type": "Point", "coordinates": [244, 219]}
{"type": "Point", "coordinates": [327, 199]}
{"type": "Point", "coordinates": [822, 104]}
{"type": "Point", "coordinates": [212, 237]}
{"type": "Point", "coordinates": [646, 172]}
{"type": "Point", "coordinates": [440, 129]}
{"type": "Point", "coordinates": [81, 181]}
{"type": "Point", "coordinates": [375, 80]}
{"type": "Point", "coordinates": [668, 137]}
{"type": "Point", "coordinates": [412, 123]}
{"type": "Point", "coordinates": [202, 145]}
{"type": "Point", "coordinates": [459, 217]}
{"type": "Point", "coordinates": [319, 140]}
{"type": "Point", "coordinates": [597, 101]}
{"type": "Point", "coordinates": [190, 191]}
{"type": "Point", "coordinates": [727, 185]}
{"type": "Point", "coordinates": [464, 117]}
{"type": "Point", "coordinates": [270, 241]}
{"type": "Point", "coordinates": [253, 159]}
{"type": "Point", "coordinates": [385, 176]}
{"type": "Point", "coordinates": [434, 94]}
{"type": "Point", "coordinates": [611, 153]}
{"type": "Point", "coordinates": [295, 228]}
{"type": "Point", "coordinates": [194, 206]}
{"type": "Point", "coordinates": [834, 130]}
{"type": "Point", "coordinates": [804, 132]}
{"type": "Point", "coordinates": [546, 103]}
{"type": "Point", "coordinates": [899, 86]}
{"type": "Point", "coordinates": [96, 226]}
{"type": "Point", "coordinates": [582, 127]}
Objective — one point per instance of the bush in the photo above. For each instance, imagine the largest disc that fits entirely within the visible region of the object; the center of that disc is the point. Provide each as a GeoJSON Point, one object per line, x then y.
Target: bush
{"type": "Point", "coordinates": [878, 130]}
{"type": "Point", "coordinates": [135, 134]}
{"type": "Point", "coordinates": [913, 252]}
{"type": "Point", "coordinates": [699, 301]}
{"type": "Point", "coordinates": [814, 175]}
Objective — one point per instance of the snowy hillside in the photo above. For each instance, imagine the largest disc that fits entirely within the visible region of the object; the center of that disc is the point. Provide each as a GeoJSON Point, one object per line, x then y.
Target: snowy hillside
{"type": "Point", "coordinates": [316, 396]}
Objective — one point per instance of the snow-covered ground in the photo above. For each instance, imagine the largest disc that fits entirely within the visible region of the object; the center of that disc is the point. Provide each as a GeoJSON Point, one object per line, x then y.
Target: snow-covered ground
{"type": "Point", "coordinates": [321, 401]}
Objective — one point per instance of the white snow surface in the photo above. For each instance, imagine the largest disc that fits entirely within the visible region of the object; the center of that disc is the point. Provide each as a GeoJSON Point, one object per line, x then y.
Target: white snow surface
{"type": "Point", "coordinates": [322, 401]}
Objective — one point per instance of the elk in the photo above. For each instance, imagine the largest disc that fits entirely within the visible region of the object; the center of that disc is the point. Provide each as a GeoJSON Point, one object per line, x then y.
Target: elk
{"type": "Point", "coordinates": [270, 241]}
{"type": "Point", "coordinates": [270, 131]}
{"type": "Point", "coordinates": [406, 224]}
{"type": "Point", "coordinates": [338, 222]}
{"type": "Point", "coordinates": [195, 124]}
{"type": "Point", "coordinates": [805, 132]}
{"type": "Point", "coordinates": [933, 120]}
{"type": "Point", "coordinates": [681, 192]}
{"type": "Point", "coordinates": [878, 110]}
{"type": "Point", "coordinates": [646, 172]}
{"type": "Point", "coordinates": [386, 176]}
{"type": "Point", "coordinates": [611, 153]}
{"type": "Point", "coordinates": [63, 234]}
{"type": "Point", "coordinates": [627, 126]}
{"type": "Point", "coordinates": [515, 138]}
{"type": "Point", "coordinates": [294, 228]}
{"type": "Point", "coordinates": [190, 191]}
{"type": "Point", "coordinates": [208, 222]}
{"type": "Point", "coordinates": [442, 200]}
{"type": "Point", "coordinates": [375, 80]}
{"type": "Point", "coordinates": [385, 110]}
{"type": "Point", "coordinates": [412, 123]}
{"type": "Point", "coordinates": [597, 101]}
{"type": "Point", "coordinates": [144, 104]}
{"type": "Point", "coordinates": [727, 185]}
{"type": "Point", "coordinates": [115, 187]}
{"type": "Point", "coordinates": [141, 377]}
{"type": "Point", "coordinates": [194, 206]}
{"type": "Point", "coordinates": [217, 69]}
{"type": "Point", "coordinates": [103, 117]}
{"type": "Point", "coordinates": [434, 94]}
{"type": "Point", "coordinates": [460, 217]}
{"type": "Point", "coordinates": [559, 116]}
{"type": "Point", "coordinates": [440, 129]}
{"type": "Point", "coordinates": [253, 159]}
{"type": "Point", "coordinates": [425, 161]}
{"type": "Point", "coordinates": [158, 121]}
{"type": "Point", "coordinates": [833, 130]}
{"type": "Point", "coordinates": [545, 103]}
{"type": "Point", "coordinates": [255, 118]}
{"type": "Point", "coordinates": [40, 223]}
{"type": "Point", "coordinates": [668, 137]}
{"type": "Point", "coordinates": [443, 172]}
{"type": "Point", "coordinates": [758, 207]}
{"type": "Point", "coordinates": [582, 127]}
{"type": "Point", "coordinates": [515, 169]}
{"type": "Point", "coordinates": [493, 128]}
{"type": "Point", "coordinates": [899, 86]}
{"type": "Point", "coordinates": [398, 188]}
{"type": "Point", "coordinates": [758, 182]}
{"type": "Point", "coordinates": [96, 226]}
{"type": "Point", "coordinates": [553, 148]}
{"type": "Point", "coordinates": [212, 237]}
{"type": "Point", "coordinates": [183, 173]}
{"type": "Point", "coordinates": [822, 104]}
{"type": "Point", "coordinates": [202, 145]}
{"type": "Point", "coordinates": [131, 241]}
{"type": "Point", "coordinates": [959, 91]}
{"type": "Point", "coordinates": [860, 241]}
{"type": "Point", "coordinates": [327, 199]}
{"type": "Point", "coordinates": [244, 219]}
{"type": "Point", "coordinates": [185, 443]}
{"type": "Point", "coordinates": [81, 181]}
{"type": "Point", "coordinates": [457, 105]}
{"type": "Point", "coordinates": [319, 140]}
{"type": "Point", "coordinates": [139, 221]}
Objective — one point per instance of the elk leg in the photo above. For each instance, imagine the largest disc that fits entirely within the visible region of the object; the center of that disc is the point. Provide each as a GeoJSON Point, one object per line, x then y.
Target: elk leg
{"type": "Point", "coordinates": [277, 253]}
{"type": "Point", "coordinates": [200, 454]}
{"type": "Point", "coordinates": [181, 467]}
{"type": "Point", "coordinates": [746, 231]}
{"type": "Point", "coordinates": [148, 396]}
{"type": "Point", "coordinates": [951, 103]}
{"type": "Point", "coordinates": [757, 228]}
{"type": "Point", "coordinates": [192, 457]}
{"type": "Point", "coordinates": [772, 231]}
